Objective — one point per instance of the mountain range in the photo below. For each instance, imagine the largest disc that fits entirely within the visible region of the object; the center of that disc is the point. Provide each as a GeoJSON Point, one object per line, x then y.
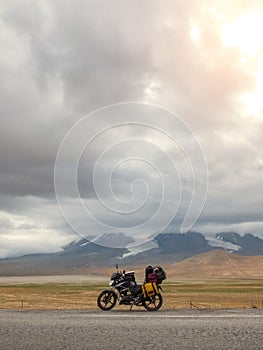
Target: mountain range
{"type": "Point", "coordinates": [166, 248]}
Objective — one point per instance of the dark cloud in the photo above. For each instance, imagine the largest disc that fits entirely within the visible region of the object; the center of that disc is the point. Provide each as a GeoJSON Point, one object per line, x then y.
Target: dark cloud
{"type": "Point", "coordinates": [61, 61]}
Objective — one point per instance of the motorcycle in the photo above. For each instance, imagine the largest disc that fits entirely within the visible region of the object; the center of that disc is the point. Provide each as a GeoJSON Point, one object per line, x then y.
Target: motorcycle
{"type": "Point", "coordinates": [125, 290]}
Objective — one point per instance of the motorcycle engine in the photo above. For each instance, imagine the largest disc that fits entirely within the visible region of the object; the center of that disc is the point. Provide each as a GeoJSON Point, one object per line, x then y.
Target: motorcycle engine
{"type": "Point", "coordinates": [126, 300]}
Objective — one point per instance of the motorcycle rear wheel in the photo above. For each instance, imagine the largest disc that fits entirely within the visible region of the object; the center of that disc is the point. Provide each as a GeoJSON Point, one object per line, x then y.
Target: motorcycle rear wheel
{"type": "Point", "coordinates": [153, 303]}
{"type": "Point", "coordinates": [106, 300]}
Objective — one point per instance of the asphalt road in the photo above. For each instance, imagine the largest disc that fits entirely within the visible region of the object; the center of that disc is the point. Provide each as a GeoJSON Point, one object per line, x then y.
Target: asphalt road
{"type": "Point", "coordinates": [189, 329]}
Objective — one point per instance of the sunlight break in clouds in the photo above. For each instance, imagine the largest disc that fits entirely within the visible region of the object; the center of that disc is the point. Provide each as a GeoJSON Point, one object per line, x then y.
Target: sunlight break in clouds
{"type": "Point", "coordinates": [246, 33]}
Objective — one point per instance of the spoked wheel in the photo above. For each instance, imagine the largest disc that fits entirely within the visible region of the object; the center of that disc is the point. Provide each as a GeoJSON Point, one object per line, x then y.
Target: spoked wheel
{"type": "Point", "coordinates": [153, 303]}
{"type": "Point", "coordinates": [106, 300]}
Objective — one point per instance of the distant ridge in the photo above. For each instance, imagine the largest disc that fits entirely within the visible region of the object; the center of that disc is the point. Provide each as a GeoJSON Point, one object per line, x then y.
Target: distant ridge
{"type": "Point", "coordinates": [218, 264]}
{"type": "Point", "coordinates": [228, 255]}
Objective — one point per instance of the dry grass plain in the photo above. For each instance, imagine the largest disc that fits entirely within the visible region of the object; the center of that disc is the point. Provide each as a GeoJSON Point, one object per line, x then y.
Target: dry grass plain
{"type": "Point", "coordinates": [221, 280]}
{"type": "Point", "coordinates": [177, 295]}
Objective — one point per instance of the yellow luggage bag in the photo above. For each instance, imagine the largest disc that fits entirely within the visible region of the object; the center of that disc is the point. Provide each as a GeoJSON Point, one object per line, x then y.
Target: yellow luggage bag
{"type": "Point", "coordinates": [150, 289]}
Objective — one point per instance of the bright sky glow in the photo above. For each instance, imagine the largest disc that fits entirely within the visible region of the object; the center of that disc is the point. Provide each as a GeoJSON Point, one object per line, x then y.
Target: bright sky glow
{"type": "Point", "coordinates": [246, 34]}
{"type": "Point", "coordinates": [195, 34]}
{"type": "Point", "coordinates": [254, 100]}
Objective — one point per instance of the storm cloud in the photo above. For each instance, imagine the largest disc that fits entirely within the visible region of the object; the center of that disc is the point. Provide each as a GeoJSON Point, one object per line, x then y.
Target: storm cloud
{"type": "Point", "coordinates": [61, 61]}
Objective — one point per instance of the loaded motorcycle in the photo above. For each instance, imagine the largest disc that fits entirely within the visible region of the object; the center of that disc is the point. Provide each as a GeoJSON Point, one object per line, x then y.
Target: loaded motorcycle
{"type": "Point", "coordinates": [125, 290]}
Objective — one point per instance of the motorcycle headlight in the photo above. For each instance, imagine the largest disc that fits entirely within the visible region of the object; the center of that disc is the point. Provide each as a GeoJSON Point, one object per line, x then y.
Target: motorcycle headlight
{"type": "Point", "coordinates": [111, 282]}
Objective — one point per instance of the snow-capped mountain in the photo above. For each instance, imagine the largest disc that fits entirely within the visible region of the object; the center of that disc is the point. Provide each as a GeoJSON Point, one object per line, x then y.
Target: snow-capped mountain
{"type": "Point", "coordinates": [133, 250]}
{"type": "Point", "coordinates": [113, 240]}
{"type": "Point", "coordinates": [221, 243]}
{"type": "Point", "coordinates": [247, 244]}
{"type": "Point", "coordinates": [161, 249]}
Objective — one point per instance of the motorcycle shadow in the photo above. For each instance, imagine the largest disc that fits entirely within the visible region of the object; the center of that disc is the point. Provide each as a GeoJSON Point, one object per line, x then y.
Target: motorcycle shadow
{"type": "Point", "coordinates": [128, 310]}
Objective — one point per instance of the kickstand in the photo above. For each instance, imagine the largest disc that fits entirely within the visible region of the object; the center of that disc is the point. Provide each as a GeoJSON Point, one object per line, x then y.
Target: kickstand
{"type": "Point", "coordinates": [131, 306]}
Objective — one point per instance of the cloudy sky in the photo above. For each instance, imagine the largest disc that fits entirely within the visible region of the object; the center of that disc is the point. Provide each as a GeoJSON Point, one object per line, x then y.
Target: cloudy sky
{"type": "Point", "coordinates": [183, 82]}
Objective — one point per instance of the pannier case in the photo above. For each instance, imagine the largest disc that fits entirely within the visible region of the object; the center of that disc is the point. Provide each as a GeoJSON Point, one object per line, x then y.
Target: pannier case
{"type": "Point", "coordinates": [149, 289]}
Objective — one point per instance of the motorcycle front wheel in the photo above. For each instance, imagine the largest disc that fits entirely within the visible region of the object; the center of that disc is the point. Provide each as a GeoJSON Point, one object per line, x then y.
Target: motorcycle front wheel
{"type": "Point", "coordinates": [106, 300]}
{"type": "Point", "coordinates": [153, 303]}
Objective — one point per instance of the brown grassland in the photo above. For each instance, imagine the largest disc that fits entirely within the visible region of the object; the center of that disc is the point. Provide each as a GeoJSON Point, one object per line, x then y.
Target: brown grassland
{"type": "Point", "coordinates": [177, 295]}
{"type": "Point", "coordinates": [212, 280]}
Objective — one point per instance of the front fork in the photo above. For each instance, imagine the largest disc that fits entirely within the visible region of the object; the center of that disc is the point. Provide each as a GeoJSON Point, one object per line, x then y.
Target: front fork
{"type": "Point", "coordinates": [115, 290]}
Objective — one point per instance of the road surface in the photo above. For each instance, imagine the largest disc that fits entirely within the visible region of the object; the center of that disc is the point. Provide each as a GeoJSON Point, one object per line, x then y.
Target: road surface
{"type": "Point", "coordinates": [180, 329]}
